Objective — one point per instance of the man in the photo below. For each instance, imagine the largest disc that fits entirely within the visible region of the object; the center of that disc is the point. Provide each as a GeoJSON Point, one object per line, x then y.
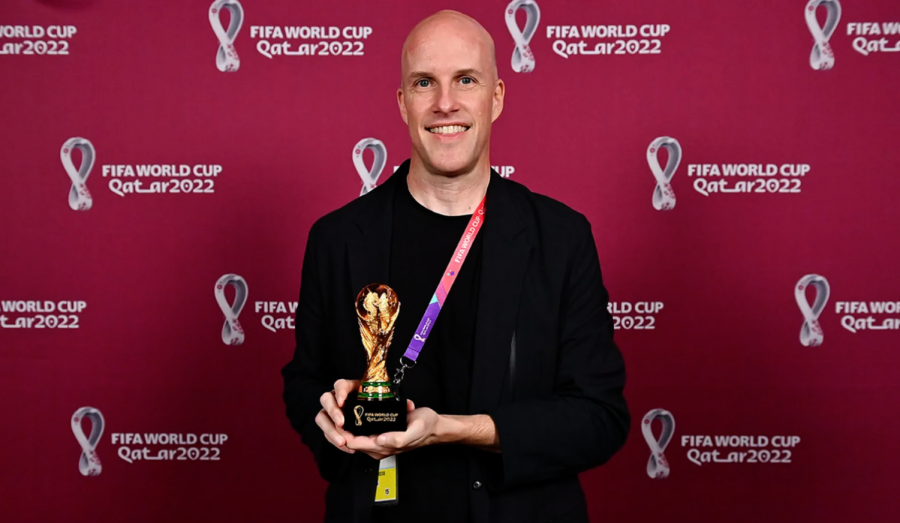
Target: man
{"type": "Point", "coordinates": [519, 386]}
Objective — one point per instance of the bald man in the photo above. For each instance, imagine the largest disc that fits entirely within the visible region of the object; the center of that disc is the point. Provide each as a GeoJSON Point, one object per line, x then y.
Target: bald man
{"type": "Point", "coordinates": [518, 387]}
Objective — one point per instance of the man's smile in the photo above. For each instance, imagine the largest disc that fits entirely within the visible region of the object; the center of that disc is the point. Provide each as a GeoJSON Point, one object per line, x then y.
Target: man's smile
{"type": "Point", "coordinates": [448, 129]}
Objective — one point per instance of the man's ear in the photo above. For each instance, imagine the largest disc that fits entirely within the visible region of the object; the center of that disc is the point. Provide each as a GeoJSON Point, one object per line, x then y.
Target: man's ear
{"type": "Point", "coordinates": [497, 106]}
{"type": "Point", "coordinates": [402, 106]}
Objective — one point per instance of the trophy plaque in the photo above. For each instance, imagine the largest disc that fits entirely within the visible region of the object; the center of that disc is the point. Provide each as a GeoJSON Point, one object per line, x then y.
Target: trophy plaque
{"type": "Point", "coordinates": [377, 407]}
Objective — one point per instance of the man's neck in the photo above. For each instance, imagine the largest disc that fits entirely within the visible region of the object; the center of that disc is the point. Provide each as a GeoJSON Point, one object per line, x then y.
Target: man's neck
{"type": "Point", "coordinates": [449, 195]}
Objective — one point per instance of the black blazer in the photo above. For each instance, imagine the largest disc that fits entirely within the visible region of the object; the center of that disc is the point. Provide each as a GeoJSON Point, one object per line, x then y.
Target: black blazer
{"type": "Point", "coordinates": [544, 364]}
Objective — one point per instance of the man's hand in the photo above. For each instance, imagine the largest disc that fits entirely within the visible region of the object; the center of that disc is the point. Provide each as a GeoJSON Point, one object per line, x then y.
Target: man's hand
{"type": "Point", "coordinates": [330, 419]}
{"type": "Point", "coordinates": [421, 428]}
{"type": "Point", "coordinates": [424, 427]}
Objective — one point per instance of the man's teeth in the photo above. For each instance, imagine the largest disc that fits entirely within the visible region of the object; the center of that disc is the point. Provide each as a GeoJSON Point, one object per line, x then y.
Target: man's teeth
{"type": "Point", "coordinates": [448, 129]}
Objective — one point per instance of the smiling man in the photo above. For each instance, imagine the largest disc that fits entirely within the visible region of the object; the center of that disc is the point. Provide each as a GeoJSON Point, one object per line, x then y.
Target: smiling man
{"type": "Point", "coordinates": [518, 387]}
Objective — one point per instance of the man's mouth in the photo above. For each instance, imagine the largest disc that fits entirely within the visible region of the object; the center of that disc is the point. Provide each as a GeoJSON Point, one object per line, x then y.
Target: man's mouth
{"type": "Point", "coordinates": [448, 129]}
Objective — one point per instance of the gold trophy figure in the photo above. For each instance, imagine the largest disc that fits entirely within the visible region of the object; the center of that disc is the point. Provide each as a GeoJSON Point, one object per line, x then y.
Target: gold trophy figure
{"type": "Point", "coordinates": [375, 408]}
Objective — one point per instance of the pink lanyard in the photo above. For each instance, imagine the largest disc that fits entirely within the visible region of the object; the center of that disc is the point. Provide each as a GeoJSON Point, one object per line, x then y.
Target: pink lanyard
{"type": "Point", "coordinates": [443, 289]}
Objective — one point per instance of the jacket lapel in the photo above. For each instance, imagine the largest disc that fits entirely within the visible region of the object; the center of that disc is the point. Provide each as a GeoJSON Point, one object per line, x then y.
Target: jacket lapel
{"type": "Point", "coordinates": [369, 250]}
{"type": "Point", "coordinates": [505, 253]}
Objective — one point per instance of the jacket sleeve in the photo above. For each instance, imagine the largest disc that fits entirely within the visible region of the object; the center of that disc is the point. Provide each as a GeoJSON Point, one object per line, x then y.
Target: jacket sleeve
{"type": "Point", "coordinates": [585, 420]}
{"type": "Point", "coordinates": [312, 371]}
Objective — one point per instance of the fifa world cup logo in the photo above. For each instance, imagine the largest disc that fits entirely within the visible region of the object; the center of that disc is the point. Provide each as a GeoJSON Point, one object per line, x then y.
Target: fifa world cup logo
{"type": "Point", "coordinates": [658, 465]}
{"type": "Point", "coordinates": [227, 59]}
{"type": "Point", "coordinates": [811, 334]}
{"type": "Point", "coordinates": [522, 57]}
{"type": "Point", "coordinates": [369, 176]}
{"type": "Point", "coordinates": [822, 57]}
{"type": "Point", "coordinates": [663, 194]}
{"type": "Point", "coordinates": [89, 462]}
{"type": "Point", "coordinates": [79, 195]}
{"type": "Point", "coordinates": [232, 332]}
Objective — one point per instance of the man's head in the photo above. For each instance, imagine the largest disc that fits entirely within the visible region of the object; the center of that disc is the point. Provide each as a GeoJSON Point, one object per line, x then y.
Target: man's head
{"type": "Point", "coordinates": [449, 93]}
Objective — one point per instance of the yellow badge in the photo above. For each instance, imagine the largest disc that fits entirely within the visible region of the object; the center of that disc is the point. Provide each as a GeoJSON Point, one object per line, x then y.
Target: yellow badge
{"type": "Point", "coordinates": [386, 492]}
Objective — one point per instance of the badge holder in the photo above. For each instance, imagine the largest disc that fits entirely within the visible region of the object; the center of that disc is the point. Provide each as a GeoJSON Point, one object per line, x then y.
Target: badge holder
{"type": "Point", "coordinates": [386, 493]}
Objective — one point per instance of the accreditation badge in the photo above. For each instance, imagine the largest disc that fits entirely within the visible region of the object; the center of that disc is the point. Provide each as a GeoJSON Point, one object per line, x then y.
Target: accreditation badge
{"type": "Point", "coordinates": [386, 492]}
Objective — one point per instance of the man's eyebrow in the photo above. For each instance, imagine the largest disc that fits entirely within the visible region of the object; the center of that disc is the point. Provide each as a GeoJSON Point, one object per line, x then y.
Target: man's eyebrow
{"type": "Point", "coordinates": [468, 72]}
{"type": "Point", "coordinates": [461, 72]}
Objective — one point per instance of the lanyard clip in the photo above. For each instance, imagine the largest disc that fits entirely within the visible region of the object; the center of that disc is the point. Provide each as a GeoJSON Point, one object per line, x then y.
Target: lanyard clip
{"type": "Point", "coordinates": [401, 372]}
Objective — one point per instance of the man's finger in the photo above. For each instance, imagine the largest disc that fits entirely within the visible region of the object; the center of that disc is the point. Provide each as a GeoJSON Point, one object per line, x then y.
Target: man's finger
{"type": "Point", "coordinates": [368, 446]}
{"type": "Point", "coordinates": [332, 433]}
{"type": "Point", "coordinates": [330, 406]}
{"type": "Point", "coordinates": [341, 442]}
{"type": "Point", "coordinates": [328, 428]}
{"type": "Point", "coordinates": [394, 440]}
{"type": "Point", "coordinates": [327, 400]}
{"type": "Point", "coordinates": [343, 388]}
{"type": "Point", "coordinates": [342, 448]}
{"type": "Point", "coordinates": [365, 444]}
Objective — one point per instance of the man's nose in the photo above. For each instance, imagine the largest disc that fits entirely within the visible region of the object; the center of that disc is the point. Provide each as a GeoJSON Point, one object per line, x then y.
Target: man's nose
{"type": "Point", "coordinates": [446, 101]}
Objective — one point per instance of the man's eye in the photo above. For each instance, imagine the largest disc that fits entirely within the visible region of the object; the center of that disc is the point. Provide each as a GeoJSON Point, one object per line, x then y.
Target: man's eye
{"type": "Point", "coordinates": [466, 80]}
{"type": "Point", "coordinates": [422, 83]}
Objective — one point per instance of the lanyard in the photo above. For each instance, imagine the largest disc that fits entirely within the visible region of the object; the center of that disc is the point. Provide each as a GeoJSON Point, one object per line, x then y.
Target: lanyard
{"type": "Point", "coordinates": [440, 295]}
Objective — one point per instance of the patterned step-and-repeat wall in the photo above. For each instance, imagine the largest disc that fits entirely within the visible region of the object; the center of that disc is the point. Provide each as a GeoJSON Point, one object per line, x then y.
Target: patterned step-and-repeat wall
{"type": "Point", "coordinates": [163, 162]}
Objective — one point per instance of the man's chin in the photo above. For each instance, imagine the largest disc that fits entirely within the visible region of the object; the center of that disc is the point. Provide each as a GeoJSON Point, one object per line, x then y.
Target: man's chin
{"type": "Point", "coordinates": [450, 166]}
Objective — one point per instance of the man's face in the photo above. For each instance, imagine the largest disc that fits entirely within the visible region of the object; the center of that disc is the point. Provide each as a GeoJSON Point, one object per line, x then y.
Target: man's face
{"type": "Point", "coordinates": [449, 97]}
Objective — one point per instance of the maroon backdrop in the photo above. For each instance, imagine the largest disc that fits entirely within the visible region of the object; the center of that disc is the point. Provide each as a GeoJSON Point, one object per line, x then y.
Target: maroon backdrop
{"type": "Point", "coordinates": [113, 307]}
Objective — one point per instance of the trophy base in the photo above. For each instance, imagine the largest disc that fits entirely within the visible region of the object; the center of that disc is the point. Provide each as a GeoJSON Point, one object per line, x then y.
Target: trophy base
{"type": "Point", "coordinates": [367, 417]}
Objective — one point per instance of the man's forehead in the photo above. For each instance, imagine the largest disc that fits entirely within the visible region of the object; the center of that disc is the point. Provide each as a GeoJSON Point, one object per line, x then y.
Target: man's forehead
{"type": "Point", "coordinates": [447, 42]}
{"type": "Point", "coordinates": [446, 55]}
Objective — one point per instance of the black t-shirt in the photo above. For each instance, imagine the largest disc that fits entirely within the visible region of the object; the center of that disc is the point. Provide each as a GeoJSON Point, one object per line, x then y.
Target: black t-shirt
{"type": "Point", "coordinates": [422, 243]}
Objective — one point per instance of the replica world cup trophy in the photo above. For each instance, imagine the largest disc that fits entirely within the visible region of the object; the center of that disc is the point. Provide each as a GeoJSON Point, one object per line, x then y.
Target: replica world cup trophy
{"type": "Point", "coordinates": [377, 407]}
